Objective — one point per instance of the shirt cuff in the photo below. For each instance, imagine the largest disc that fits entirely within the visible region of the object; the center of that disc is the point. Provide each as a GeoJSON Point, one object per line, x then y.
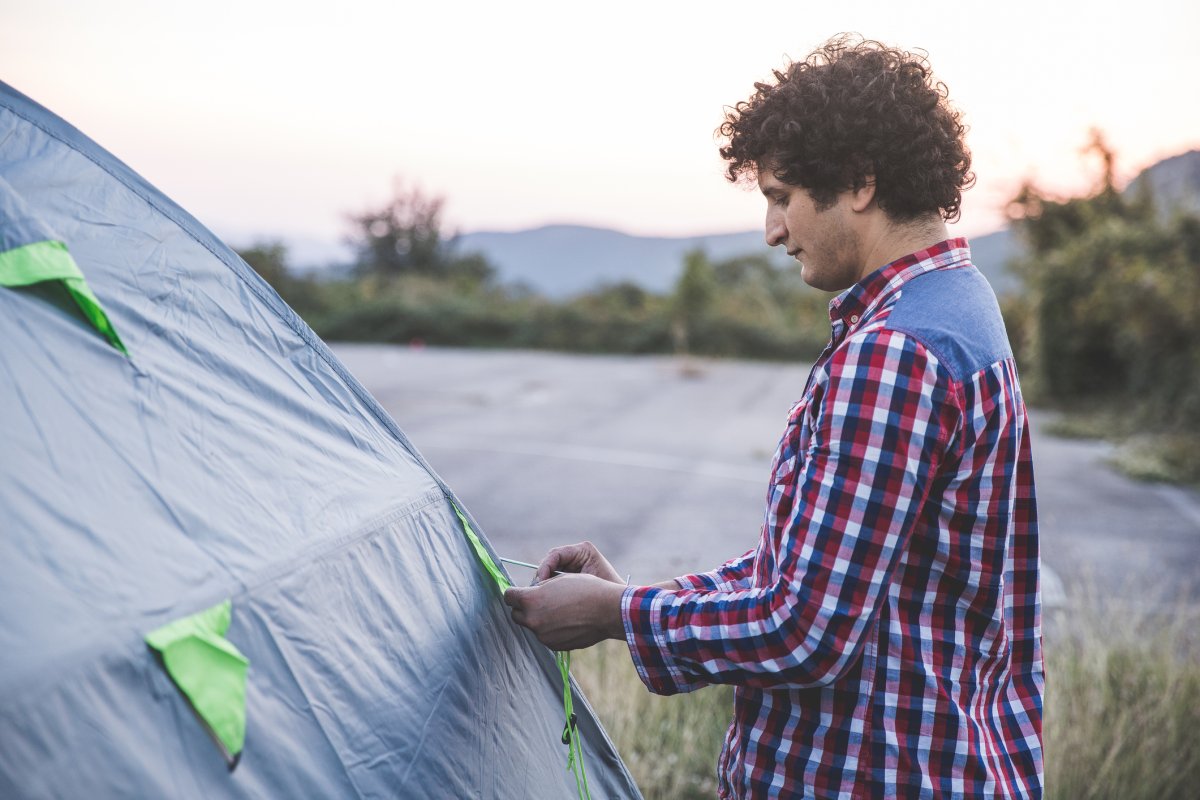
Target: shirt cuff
{"type": "Point", "coordinates": [642, 614]}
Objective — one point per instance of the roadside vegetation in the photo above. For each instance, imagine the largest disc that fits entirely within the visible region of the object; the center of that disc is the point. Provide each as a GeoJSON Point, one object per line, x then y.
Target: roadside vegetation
{"type": "Point", "coordinates": [1107, 327]}
{"type": "Point", "coordinates": [410, 284]}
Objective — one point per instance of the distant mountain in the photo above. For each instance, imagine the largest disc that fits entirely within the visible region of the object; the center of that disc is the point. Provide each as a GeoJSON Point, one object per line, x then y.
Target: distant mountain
{"type": "Point", "coordinates": [1174, 183]}
{"type": "Point", "coordinates": [991, 253]}
{"type": "Point", "coordinates": [564, 260]}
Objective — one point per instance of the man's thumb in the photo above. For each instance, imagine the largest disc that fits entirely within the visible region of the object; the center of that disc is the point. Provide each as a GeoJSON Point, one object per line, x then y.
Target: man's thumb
{"type": "Point", "coordinates": [514, 597]}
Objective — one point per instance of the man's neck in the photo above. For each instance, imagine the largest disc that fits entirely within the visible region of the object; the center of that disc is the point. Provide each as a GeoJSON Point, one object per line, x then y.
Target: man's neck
{"type": "Point", "coordinates": [894, 240]}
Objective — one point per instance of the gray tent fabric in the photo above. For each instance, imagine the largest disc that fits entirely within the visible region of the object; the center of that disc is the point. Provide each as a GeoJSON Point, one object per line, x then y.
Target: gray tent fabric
{"type": "Point", "coordinates": [231, 456]}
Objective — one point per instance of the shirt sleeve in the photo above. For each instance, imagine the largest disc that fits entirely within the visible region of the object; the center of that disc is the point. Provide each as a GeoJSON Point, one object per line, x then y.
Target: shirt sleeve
{"type": "Point", "coordinates": [733, 574]}
{"type": "Point", "coordinates": [883, 413]}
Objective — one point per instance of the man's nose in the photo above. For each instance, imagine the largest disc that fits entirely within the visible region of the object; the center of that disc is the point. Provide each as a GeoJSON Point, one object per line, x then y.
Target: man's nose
{"type": "Point", "coordinates": [776, 231]}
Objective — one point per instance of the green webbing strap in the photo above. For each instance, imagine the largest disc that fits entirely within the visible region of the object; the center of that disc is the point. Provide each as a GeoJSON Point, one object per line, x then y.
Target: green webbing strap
{"type": "Point", "coordinates": [210, 672]}
{"type": "Point", "coordinates": [49, 261]}
{"type": "Point", "coordinates": [481, 553]}
{"type": "Point", "coordinates": [569, 737]}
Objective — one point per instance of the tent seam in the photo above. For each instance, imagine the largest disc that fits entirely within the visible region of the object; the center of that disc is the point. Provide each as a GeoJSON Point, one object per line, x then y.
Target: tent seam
{"type": "Point", "coordinates": [373, 527]}
{"type": "Point", "coordinates": [239, 591]}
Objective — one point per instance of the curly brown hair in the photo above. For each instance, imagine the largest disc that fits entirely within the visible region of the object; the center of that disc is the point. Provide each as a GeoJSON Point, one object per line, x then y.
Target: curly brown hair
{"type": "Point", "coordinates": [852, 110]}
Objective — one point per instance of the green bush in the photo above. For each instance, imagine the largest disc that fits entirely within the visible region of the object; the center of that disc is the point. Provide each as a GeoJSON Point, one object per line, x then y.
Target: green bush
{"type": "Point", "coordinates": [747, 315]}
{"type": "Point", "coordinates": [1111, 311]}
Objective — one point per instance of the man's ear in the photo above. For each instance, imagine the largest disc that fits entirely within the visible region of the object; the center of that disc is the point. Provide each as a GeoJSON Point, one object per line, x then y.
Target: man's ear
{"type": "Point", "coordinates": [862, 197]}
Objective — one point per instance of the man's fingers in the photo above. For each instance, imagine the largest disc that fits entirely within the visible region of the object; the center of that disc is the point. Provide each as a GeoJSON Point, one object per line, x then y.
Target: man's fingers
{"type": "Point", "coordinates": [579, 557]}
{"type": "Point", "coordinates": [548, 566]}
{"type": "Point", "coordinates": [560, 559]}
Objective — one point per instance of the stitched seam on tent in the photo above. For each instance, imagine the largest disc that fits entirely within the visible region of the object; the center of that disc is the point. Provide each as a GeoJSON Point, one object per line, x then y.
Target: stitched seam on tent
{"type": "Point", "coordinates": [376, 526]}
{"type": "Point", "coordinates": [129, 636]}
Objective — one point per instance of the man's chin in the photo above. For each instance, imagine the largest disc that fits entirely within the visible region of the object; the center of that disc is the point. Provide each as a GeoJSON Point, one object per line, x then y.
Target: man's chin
{"type": "Point", "coordinates": [822, 282]}
{"type": "Point", "coordinates": [810, 276]}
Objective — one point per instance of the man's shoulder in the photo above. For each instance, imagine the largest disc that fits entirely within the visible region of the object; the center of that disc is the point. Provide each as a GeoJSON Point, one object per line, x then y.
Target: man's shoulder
{"type": "Point", "coordinates": [954, 314]}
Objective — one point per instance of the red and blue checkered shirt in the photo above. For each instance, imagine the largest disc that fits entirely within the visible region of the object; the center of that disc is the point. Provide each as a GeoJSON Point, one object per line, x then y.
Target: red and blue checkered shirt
{"type": "Point", "coordinates": [884, 636]}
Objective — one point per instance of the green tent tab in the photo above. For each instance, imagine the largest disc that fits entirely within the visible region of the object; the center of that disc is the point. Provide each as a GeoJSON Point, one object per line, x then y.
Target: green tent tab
{"type": "Point", "coordinates": [209, 670]}
{"type": "Point", "coordinates": [49, 261]}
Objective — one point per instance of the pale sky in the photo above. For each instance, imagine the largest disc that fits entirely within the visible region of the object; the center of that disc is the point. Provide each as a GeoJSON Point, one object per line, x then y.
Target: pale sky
{"type": "Point", "coordinates": [279, 118]}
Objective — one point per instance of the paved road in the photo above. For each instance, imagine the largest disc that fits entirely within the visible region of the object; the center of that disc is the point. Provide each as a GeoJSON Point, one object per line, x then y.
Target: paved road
{"type": "Point", "coordinates": [662, 464]}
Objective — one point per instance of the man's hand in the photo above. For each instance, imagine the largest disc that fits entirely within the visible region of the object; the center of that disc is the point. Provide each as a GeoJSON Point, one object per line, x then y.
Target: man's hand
{"type": "Point", "coordinates": [569, 612]}
{"type": "Point", "coordinates": [582, 557]}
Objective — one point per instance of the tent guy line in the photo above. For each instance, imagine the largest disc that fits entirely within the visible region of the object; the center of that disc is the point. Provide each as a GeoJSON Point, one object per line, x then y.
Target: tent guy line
{"type": "Point", "coordinates": [628, 577]}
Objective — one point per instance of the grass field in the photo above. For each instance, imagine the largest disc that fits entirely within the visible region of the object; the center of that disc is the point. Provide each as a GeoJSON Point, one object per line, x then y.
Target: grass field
{"type": "Point", "coordinates": [1122, 710]}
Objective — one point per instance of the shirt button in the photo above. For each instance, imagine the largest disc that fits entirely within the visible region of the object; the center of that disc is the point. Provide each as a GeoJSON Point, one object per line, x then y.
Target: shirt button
{"type": "Point", "coordinates": [853, 318]}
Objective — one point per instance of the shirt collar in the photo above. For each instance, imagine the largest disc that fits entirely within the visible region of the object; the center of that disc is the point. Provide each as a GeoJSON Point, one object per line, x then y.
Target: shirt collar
{"type": "Point", "coordinates": [852, 305]}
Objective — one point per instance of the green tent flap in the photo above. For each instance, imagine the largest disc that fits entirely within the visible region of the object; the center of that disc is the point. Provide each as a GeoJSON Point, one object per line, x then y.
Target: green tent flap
{"type": "Point", "coordinates": [209, 670]}
{"type": "Point", "coordinates": [49, 261]}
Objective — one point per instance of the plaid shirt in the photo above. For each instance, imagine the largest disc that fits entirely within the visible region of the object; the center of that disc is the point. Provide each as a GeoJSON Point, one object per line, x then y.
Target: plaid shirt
{"type": "Point", "coordinates": [884, 637]}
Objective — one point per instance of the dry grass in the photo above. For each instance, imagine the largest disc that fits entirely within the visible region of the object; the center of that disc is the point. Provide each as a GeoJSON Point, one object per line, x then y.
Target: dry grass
{"type": "Point", "coordinates": [1122, 703]}
{"type": "Point", "coordinates": [670, 744]}
{"type": "Point", "coordinates": [1122, 714]}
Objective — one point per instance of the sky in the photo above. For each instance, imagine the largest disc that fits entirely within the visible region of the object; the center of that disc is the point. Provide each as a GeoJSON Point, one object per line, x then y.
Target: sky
{"type": "Point", "coordinates": [278, 119]}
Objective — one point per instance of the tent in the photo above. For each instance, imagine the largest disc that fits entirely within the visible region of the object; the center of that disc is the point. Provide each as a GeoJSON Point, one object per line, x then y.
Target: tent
{"type": "Point", "coordinates": [224, 570]}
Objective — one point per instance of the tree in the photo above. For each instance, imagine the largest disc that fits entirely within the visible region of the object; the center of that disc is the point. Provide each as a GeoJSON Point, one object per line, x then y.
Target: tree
{"type": "Point", "coordinates": [1113, 301]}
{"type": "Point", "coordinates": [405, 237]}
{"type": "Point", "coordinates": [694, 294]}
{"type": "Point", "coordinates": [270, 260]}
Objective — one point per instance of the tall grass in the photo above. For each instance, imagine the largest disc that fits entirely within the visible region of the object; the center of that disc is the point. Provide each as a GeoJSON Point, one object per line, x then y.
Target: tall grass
{"type": "Point", "coordinates": [1122, 702]}
{"type": "Point", "coordinates": [1122, 710]}
{"type": "Point", "coordinates": [670, 744]}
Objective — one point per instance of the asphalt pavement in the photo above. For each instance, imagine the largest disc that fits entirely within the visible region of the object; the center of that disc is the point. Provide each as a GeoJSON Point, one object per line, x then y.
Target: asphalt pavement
{"type": "Point", "coordinates": [662, 462]}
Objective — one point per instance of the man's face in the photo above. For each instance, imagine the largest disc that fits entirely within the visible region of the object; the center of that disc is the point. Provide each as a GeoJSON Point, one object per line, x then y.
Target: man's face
{"type": "Point", "coordinates": [823, 241]}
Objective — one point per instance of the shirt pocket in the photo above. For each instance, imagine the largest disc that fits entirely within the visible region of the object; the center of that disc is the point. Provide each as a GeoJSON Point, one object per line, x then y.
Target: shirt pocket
{"type": "Point", "coordinates": [792, 445]}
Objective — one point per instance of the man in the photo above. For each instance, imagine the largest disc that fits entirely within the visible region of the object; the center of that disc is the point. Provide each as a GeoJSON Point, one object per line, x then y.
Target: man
{"type": "Point", "coordinates": [884, 635]}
